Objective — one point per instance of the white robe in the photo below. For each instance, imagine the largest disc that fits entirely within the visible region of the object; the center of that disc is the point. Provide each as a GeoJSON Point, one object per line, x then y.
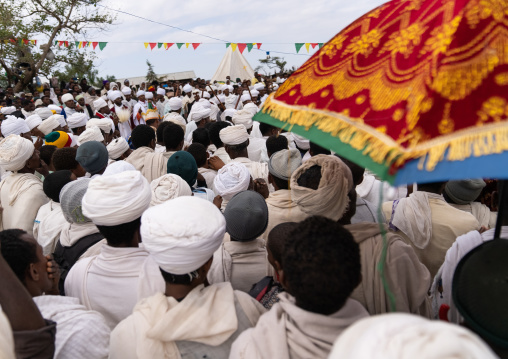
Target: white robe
{"type": "Point", "coordinates": [72, 233]}
{"type": "Point", "coordinates": [48, 225]}
{"type": "Point", "coordinates": [209, 176]}
{"type": "Point", "coordinates": [110, 283]}
{"type": "Point", "coordinates": [256, 169]}
{"type": "Point", "coordinates": [257, 150]}
{"type": "Point", "coordinates": [143, 106]}
{"type": "Point", "coordinates": [80, 333]}
{"type": "Point", "coordinates": [223, 155]}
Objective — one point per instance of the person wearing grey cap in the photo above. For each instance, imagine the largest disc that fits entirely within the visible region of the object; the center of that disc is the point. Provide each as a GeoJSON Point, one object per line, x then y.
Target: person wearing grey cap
{"type": "Point", "coordinates": [93, 157]}
{"type": "Point", "coordinates": [243, 260]}
{"type": "Point", "coordinates": [281, 207]}
{"type": "Point", "coordinates": [463, 194]}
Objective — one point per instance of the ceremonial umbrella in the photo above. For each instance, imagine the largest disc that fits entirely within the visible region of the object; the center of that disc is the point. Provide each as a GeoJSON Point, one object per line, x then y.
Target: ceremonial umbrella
{"type": "Point", "coordinates": [415, 91]}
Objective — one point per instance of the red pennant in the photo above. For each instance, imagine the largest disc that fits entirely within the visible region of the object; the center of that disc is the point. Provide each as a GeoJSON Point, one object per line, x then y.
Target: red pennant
{"type": "Point", "coordinates": [314, 44]}
{"type": "Point", "coordinates": [169, 44]}
{"type": "Point", "coordinates": [25, 41]}
{"type": "Point", "coordinates": [85, 43]}
{"type": "Point", "coordinates": [152, 45]}
{"type": "Point", "coordinates": [60, 43]}
{"type": "Point", "coordinates": [94, 44]}
{"type": "Point", "coordinates": [242, 47]}
{"type": "Point", "coordinates": [13, 41]}
{"type": "Point", "coordinates": [195, 45]}
{"type": "Point", "coordinates": [66, 43]}
{"type": "Point", "coordinates": [258, 45]}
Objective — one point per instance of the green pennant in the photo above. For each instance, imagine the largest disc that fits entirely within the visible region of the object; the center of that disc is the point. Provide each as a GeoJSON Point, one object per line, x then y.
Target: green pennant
{"type": "Point", "coordinates": [179, 44]}
{"type": "Point", "coordinates": [228, 45]}
{"type": "Point", "coordinates": [56, 42]}
{"type": "Point", "coordinates": [150, 106]}
{"type": "Point", "coordinates": [321, 44]}
{"type": "Point", "coordinates": [77, 44]}
{"type": "Point", "coordinates": [298, 46]}
{"type": "Point", "coordinates": [20, 41]}
{"type": "Point", "coordinates": [249, 47]}
{"type": "Point", "coordinates": [159, 45]}
{"type": "Point", "coordinates": [102, 45]}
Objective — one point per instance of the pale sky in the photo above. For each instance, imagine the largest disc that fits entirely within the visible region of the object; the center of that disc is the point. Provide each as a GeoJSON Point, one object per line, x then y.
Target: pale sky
{"type": "Point", "coordinates": [270, 22]}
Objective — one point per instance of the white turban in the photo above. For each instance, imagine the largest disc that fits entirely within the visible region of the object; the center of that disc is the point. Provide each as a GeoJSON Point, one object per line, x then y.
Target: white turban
{"type": "Point", "coordinates": [33, 121]}
{"type": "Point", "coordinates": [126, 91]}
{"type": "Point", "coordinates": [105, 124]}
{"type": "Point", "coordinates": [187, 88]}
{"type": "Point", "coordinates": [243, 117]}
{"type": "Point", "coordinates": [118, 167]}
{"type": "Point", "coordinates": [175, 104]}
{"type": "Point", "coordinates": [206, 95]}
{"type": "Point", "coordinates": [44, 112]}
{"type": "Point", "coordinates": [259, 86]}
{"type": "Point", "coordinates": [161, 91]}
{"type": "Point", "coordinates": [114, 95]}
{"type": "Point", "coordinates": [232, 179]}
{"type": "Point", "coordinates": [176, 119]}
{"type": "Point", "coordinates": [230, 88]}
{"type": "Point", "coordinates": [149, 95]}
{"type": "Point", "coordinates": [13, 125]}
{"type": "Point", "coordinates": [205, 103]}
{"type": "Point", "coordinates": [117, 148]}
{"type": "Point", "coordinates": [14, 152]}
{"type": "Point", "coordinates": [48, 125]}
{"type": "Point", "coordinates": [254, 93]}
{"type": "Point", "coordinates": [91, 134]}
{"type": "Point", "coordinates": [222, 98]}
{"type": "Point", "coordinates": [168, 187]}
{"type": "Point", "coordinates": [116, 199]}
{"type": "Point", "coordinates": [196, 91]}
{"type": "Point", "coordinates": [176, 241]}
{"type": "Point", "coordinates": [400, 335]}
{"type": "Point", "coordinates": [77, 119]}
{"type": "Point", "coordinates": [301, 142]}
{"type": "Point", "coordinates": [229, 112]}
{"type": "Point", "coordinates": [7, 110]}
{"type": "Point", "coordinates": [245, 98]}
{"type": "Point", "coordinates": [199, 112]}
{"type": "Point", "coordinates": [67, 97]}
{"type": "Point", "coordinates": [140, 93]}
{"type": "Point", "coordinates": [61, 120]}
{"type": "Point", "coordinates": [55, 108]}
{"type": "Point", "coordinates": [224, 87]}
{"type": "Point", "coordinates": [99, 103]}
{"type": "Point", "coordinates": [251, 107]}
{"type": "Point", "coordinates": [234, 135]}
{"type": "Point", "coordinates": [112, 85]}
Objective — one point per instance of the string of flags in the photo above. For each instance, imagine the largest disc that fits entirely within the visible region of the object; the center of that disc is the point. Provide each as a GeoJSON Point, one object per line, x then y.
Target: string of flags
{"type": "Point", "coordinates": [167, 45]}
{"type": "Point", "coordinates": [299, 45]}
{"type": "Point", "coordinates": [20, 41]}
{"type": "Point", "coordinates": [81, 44]}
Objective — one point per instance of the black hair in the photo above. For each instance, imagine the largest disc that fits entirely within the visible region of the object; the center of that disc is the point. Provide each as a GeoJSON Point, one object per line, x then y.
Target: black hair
{"type": "Point", "coordinates": [121, 233]}
{"type": "Point", "coordinates": [265, 128]}
{"type": "Point", "coordinates": [151, 121]}
{"type": "Point", "coordinates": [431, 187]}
{"type": "Point", "coordinates": [46, 152]}
{"type": "Point", "coordinates": [200, 135]}
{"type": "Point", "coordinates": [198, 151]}
{"type": "Point", "coordinates": [276, 143]}
{"type": "Point", "coordinates": [173, 136]}
{"type": "Point", "coordinates": [160, 131]}
{"type": "Point", "coordinates": [277, 237]}
{"type": "Point", "coordinates": [54, 182]}
{"type": "Point", "coordinates": [310, 178]}
{"type": "Point", "coordinates": [18, 253]}
{"type": "Point", "coordinates": [141, 136]}
{"type": "Point", "coordinates": [184, 279]}
{"type": "Point", "coordinates": [351, 208]}
{"type": "Point", "coordinates": [321, 263]}
{"type": "Point", "coordinates": [281, 183]}
{"type": "Point", "coordinates": [356, 170]}
{"type": "Point", "coordinates": [65, 159]}
{"type": "Point", "coordinates": [239, 147]}
{"type": "Point", "coordinates": [318, 150]}
{"type": "Point", "coordinates": [213, 133]}
{"type": "Point", "coordinates": [25, 103]}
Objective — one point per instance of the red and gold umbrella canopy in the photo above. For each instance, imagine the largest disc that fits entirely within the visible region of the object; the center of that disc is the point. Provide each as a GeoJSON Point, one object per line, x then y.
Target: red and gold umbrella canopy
{"type": "Point", "coordinates": [410, 80]}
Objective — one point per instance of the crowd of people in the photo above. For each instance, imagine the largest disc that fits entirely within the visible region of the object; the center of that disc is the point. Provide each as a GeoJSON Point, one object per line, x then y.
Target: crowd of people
{"type": "Point", "coordinates": [164, 222]}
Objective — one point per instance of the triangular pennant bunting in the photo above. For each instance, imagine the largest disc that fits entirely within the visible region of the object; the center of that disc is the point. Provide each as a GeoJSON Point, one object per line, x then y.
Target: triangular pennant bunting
{"type": "Point", "coordinates": [34, 42]}
{"type": "Point", "coordinates": [159, 45]}
{"type": "Point", "coordinates": [321, 44]}
{"type": "Point", "coordinates": [102, 45]}
{"type": "Point", "coordinates": [152, 45]}
{"type": "Point", "coordinates": [77, 44]}
{"type": "Point", "coordinates": [85, 43]}
{"type": "Point", "coordinates": [250, 46]}
{"type": "Point", "coordinates": [258, 44]}
{"type": "Point", "coordinates": [314, 44]}
{"type": "Point", "coordinates": [195, 45]}
{"type": "Point", "coordinates": [20, 41]}
{"type": "Point", "coordinates": [298, 46]}
{"type": "Point", "coordinates": [146, 45]}
{"type": "Point", "coordinates": [228, 45]}
{"type": "Point", "coordinates": [66, 43]}
{"type": "Point", "coordinates": [80, 44]}
{"type": "Point", "coordinates": [25, 41]}
{"type": "Point", "coordinates": [233, 46]}
{"type": "Point", "coordinates": [168, 45]}
{"type": "Point", "coordinates": [56, 42]}
{"type": "Point", "coordinates": [94, 44]}
{"type": "Point", "coordinates": [179, 44]}
{"type": "Point", "coordinates": [187, 44]}
{"type": "Point", "coordinates": [307, 46]}
{"type": "Point", "coordinates": [242, 47]}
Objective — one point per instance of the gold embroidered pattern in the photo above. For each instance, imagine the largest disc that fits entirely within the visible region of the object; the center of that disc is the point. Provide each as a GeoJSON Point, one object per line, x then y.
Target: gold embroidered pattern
{"type": "Point", "coordinates": [404, 40]}
{"type": "Point", "coordinates": [501, 79]}
{"type": "Point", "coordinates": [332, 47]}
{"type": "Point", "coordinates": [364, 44]}
{"type": "Point", "coordinates": [441, 37]}
{"type": "Point", "coordinates": [483, 9]}
{"type": "Point", "coordinates": [495, 108]}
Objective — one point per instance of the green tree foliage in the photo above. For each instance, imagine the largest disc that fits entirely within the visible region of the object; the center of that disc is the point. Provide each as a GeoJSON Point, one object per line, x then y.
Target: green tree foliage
{"type": "Point", "coordinates": [272, 63]}
{"type": "Point", "coordinates": [151, 75]}
{"type": "Point", "coordinates": [54, 20]}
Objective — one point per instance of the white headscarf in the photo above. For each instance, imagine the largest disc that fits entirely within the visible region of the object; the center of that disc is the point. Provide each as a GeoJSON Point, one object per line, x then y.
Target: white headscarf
{"type": "Point", "coordinates": [126, 91]}
{"type": "Point", "coordinates": [67, 97]}
{"type": "Point", "coordinates": [187, 88]}
{"type": "Point", "coordinates": [114, 95]}
{"type": "Point", "coordinates": [33, 121]}
{"type": "Point", "coordinates": [408, 336]}
{"type": "Point", "coordinates": [105, 124]}
{"type": "Point", "coordinates": [176, 241]}
{"type": "Point", "coordinates": [77, 119]}
{"type": "Point", "coordinates": [14, 152]}
{"type": "Point", "coordinates": [229, 112]}
{"type": "Point", "coordinates": [60, 119]}
{"type": "Point", "coordinates": [301, 142]}
{"type": "Point", "coordinates": [245, 97]}
{"type": "Point", "coordinates": [48, 125]}
{"type": "Point", "coordinates": [8, 110]}
{"type": "Point", "coordinates": [149, 95]}
{"type": "Point", "coordinates": [117, 147]}
{"type": "Point", "coordinates": [175, 103]}
{"type": "Point", "coordinates": [232, 179]}
{"type": "Point", "coordinates": [140, 93]}
{"type": "Point", "coordinates": [199, 112]}
{"type": "Point", "coordinates": [252, 108]}
{"type": "Point", "coordinates": [44, 112]}
{"type": "Point", "coordinates": [161, 91]}
{"type": "Point", "coordinates": [99, 103]}
{"type": "Point", "coordinates": [14, 126]}
{"type": "Point", "coordinates": [234, 135]}
{"type": "Point", "coordinates": [55, 108]}
{"type": "Point", "coordinates": [117, 199]}
{"type": "Point", "coordinates": [243, 117]}
{"type": "Point", "coordinates": [91, 134]}
{"type": "Point", "coordinates": [118, 167]}
{"type": "Point", "coordinates": [168, 187]}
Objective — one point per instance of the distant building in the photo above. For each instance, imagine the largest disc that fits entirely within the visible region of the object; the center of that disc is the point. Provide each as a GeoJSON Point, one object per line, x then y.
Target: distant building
{"type": "Point", "coordinates": [180, 76]}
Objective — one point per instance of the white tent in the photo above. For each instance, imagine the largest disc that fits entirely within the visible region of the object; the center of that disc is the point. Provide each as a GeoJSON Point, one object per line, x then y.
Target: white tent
{"type": "Point", "coordinates": [234, 65]}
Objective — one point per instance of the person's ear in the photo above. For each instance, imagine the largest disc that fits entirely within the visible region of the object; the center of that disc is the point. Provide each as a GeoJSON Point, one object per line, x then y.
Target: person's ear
{"type": "Point", "coordinates": [33, 273]}
{"type": "Point", "coordinates": [207, 155]}
{"type": "Point", "coordinates": [270, 178]}
{"type": "Point", "coordinates": [283, 280]}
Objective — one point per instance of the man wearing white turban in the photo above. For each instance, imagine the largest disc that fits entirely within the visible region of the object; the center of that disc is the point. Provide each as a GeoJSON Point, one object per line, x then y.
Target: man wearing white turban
{"type": "Point", "coordinates": [129, 102]}
{"type": "Point", "coordinates": [91, 134]}
{"type": "Point", "coordinates": [231, 101]}
{"type": "Point", "coordinates": [21, 193]}
{"type": "Point", "coordinates": [174, 105]}
{"type": "Point", "coordinates": [189, 317]}
{"type": "Point", "coordinates": [230, 180]}
{"type": "Point", "coordinates": [77, 123]}
{"type": "Point", "coordinates": [408, 336]}
{"type": "Point", "coordinates": [118, 149]}
{"type": "Point", "coordinates": [49, 125]}
{"type": "Point", "coordinates": [173, 110]}
{"type": "Point", "coordinates": [236, 141]}
{"type": "Point", "coordinates": [69, 105]}
{"type": "Point", "coordinates": [257, 146]}
{"type": "Point", "coordinates": [33, 121]}
{"type": "Point", "coordinates": [168, 187]}
{"type": "Point", "coordinates": [139, 109]}
{"type": "Point", "coordinates": [106, 126]}
{"type": "Point", "coordinates": [198, 118]}
{"type": "Point", "coordinates": [113, 282]}
{"type": "Point", "coordinates": [15, 126]}
{"type": "Point", "coordinates": [161, 101]}
{"type": "Point", "coordinates": [44, 112]}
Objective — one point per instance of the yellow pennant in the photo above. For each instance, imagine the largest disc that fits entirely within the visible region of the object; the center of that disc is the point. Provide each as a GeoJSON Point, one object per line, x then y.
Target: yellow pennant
{"type": "Point", "coordinates": [233, 46]}
{"type": "Point", "coordinates": [187, 44]}
{"type": "Point", "coordinates": [307, 45]}
{"type": "Point", "coordinates": [146, 45]}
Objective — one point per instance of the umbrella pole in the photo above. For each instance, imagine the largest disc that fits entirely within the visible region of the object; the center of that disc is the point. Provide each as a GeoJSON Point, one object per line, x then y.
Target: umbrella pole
{"type": "Point", "coordinates": [500, 213]}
